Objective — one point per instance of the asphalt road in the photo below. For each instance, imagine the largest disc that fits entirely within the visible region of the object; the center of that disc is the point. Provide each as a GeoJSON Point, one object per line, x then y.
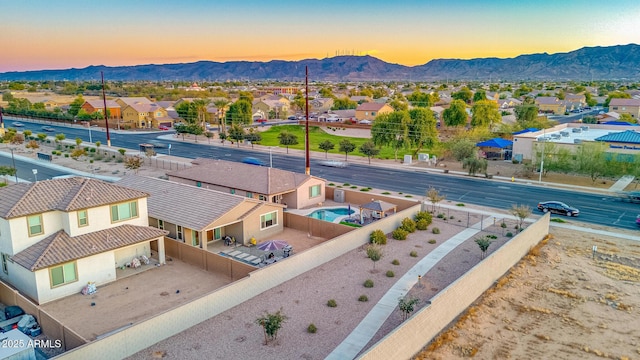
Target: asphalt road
{"type": "Point", "coordinates": [596, 209]}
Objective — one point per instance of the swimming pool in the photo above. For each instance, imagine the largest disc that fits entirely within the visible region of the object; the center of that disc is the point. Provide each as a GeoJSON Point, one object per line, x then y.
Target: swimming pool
{"type": "Point", "coordinates": [331, 214]}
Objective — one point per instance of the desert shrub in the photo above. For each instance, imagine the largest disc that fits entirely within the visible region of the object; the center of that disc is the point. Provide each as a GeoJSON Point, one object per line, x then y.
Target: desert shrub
{"type": "Point", "coordinates": [346, 184]}
{"type": "Point", "coordinates": [424, 215]}
{"type": "Point", "coordinates": [395, 262]}
{"type": "Point", "coordinates": [364, 189]}
{"type": "Point", "coordinates": [332, 303]}
{"type": "Point", "coordinates": [363, 298]}
{"type": "Point", "coordinates": [509, 234]}
{"type": "Point", "coordinates": [459, 204]}
{"type": "Point", "coordinates": [413, 253]}
{"type": "Point", "coordinates": [91, 161]}
{"type": "Point", "coordinates": [66, 155]}
{"type": "Point", "coordinates": [386, 193]}
{"type": "Point", "coordinates": [354, 187]}
{"type": "Point", "coordinates": [503, 225]}
{"type": "Point", "coordinates": [440, 216]}
{"type": "Point", "coordinates": [435, 230]}
{"type": "Point", "coordinates": [451, 217]}
{"type": "Point", "coordinates": [368, 283]}
{"type": "Point", "coordinates": [378, 237]}
{"type": "Point", "coordinates": [390, 274]}
{"type": "Point", "coordinates": [408, 225]}
{"type": "Point", "coordinates": [311, 329]}
{"type": "Point", "coordinates": [432, 241]}
{"type": "Point", "coordinates": [331, 184]}
{"type": "Point", "coordinates": [92, 150]}
{"type": "Point", "coordinates": [408, 196]}
{"type": "Point", "coordinates": [399, 234]}
{"type": "Point", "coordinates": [422, 224]}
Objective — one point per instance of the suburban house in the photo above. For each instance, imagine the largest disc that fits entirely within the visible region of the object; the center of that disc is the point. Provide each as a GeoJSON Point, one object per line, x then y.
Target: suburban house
{"type": "Point", "coordinates": [49, 104]}
{"type": "Point", "coordinates": [145, 116]}
{"type": "Point", "coordinates": [626, 106]}
{"type": "Point", "coordinates": [124, 101]}
{"type": "Point", "coordinates": [550, 104]}
{"type": "Point", "coordinates": [58, 235]}
{"type": "Point", "coordinates": [369, 111]}
{"type": "Point", "coordinates": [199, 216]}
{"type": "Point", "coordinates": [293, 190]}
{"type": "Point", "coordinates": [320, 104]}
{"type": "Point", "coordinates": [97, 105]}
{"type": "Point", "coordinates": [579, 98]}
{"type": "Point", "coordinates": [338, 116]}
{"type": "Point", "coordinates": [262, 109]}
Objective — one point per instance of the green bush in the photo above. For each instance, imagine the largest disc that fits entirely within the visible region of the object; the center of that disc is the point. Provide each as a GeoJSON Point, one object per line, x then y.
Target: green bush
{"type": "Point", "coordinates": [459, 204]}
{"type": "Point", "coordinates": [509, 234]}
{"type": "Point", "coordinates": [332, 303]}
{"type": "Point", "coordinates": [363, 298]}
{"type": "Point", "coordinates": [451, 217]}
{"type": "Point", "coordinates": [440, 216]}
{"type": "Point", "coordinates": [413, 253]}
{"type": "Point", "coordinates": [330, 184]}
{"type": "Point", "coordinates": [378, 237]}
{"type": "Point", "coordinates": [395, 262]}
{"type": "Point", "coordinates": [91, 161]}
{"type": "Point", "coordinates": [422, 224]}
{"type": "Point", "coordinates": [92, 150]}
{"type": "Point", "coordinates": [66, 155]}
{"type": "Point", "coordinates": [311, 329]}
{"type": "Point", "coordinates": [346, 184]}
{"type": "Point", "coordinates": [399, 234]}
{"type": "Point", "coordinates": [390, 274]}
{"type": "Point", "coordinates": [386, 193]}
{"type": "Point", "coordinates": [408, 225]}
{"type": "Point", "coordinates": [368, 283]}
{"type": "Point", "coordinates": [354, 187]}
{"type": "Point", "coordinates": [364, 189]}
{"type": "Point", "coordinates": [424, 215]}
{"type": "Point", "coordinates": [432, 241]}
{"type": "Point", "coordinates": [435, 230]}
{"type": "Point", "coordinates": [503, 225]}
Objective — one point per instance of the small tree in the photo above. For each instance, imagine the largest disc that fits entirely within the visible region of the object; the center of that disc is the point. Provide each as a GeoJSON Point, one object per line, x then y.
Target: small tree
{"type": "Point", "coordinates": [7, 171]}
{"type": "Point", "coordinates": [483, 243]}
{"type": "Point", "coordinates": [236, 133]}
{"type": "Point", "coordinates": [223, 137]}
{"type": "Point", "coordinates": [346, 146]}
{"type": "Point", "coordinates": [475, 165]}
{"type": "Point", "coordinates": [434, 196]}
{"type": "Point", "coordinates": [374, 252]}
{"type": "Point", "coordinates": [407, 306]}
{"type": "Point", "coordinates": [521, 212]}
{"type": "Point", "coordinates": [326, 146]}
{"type": "Point", "coordinates": [369, 149]}
{"type": "Point", "coordinates": [253, 136]}
{"type": "Point", "coordinates": [378, 237]}
{"type": "Point", "coordinates": [32, 144]}
{"type": "Point", "coordinates": [76, 153]}
{"type": "Point", "coordinates": [27, 133]}
{"type": "Point", "coordinates": [122, 151]}
{"type": "Point", "coordinates": [42, 137]}
{"type": "Point", "coordinates": [98, 144]}
{"type": "Point", "coordinates": [286, 138]}
{"type": "Point", "coordinates": [17, 139]}
{"type": "Point", "coordinates": [78, 141]}
{"type": "Point", "coordinates": [271, 323]}
{"type": "Point", "coordinates": [133, 163]}
{"type": "Point", "coordinates": [59, 138]}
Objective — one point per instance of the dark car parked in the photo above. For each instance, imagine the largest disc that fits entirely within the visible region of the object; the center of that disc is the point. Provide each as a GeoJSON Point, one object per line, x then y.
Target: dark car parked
{"type": "Point", "coordinates": [557, 207]}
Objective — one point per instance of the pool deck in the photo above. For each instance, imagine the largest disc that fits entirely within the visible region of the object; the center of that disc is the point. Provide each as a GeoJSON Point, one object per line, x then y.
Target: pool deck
{"type": "Point", "coordinates": [327, 206]}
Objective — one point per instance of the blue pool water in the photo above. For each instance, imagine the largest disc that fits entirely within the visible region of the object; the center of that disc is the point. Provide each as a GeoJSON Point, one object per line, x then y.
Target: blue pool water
{"type": "Point", "coordinates": [330, 214]}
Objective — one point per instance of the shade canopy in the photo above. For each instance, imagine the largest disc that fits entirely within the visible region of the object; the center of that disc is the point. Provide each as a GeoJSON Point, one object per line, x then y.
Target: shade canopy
{"type": "Point", "coordinates": [272, 245]}
{"type": "Point", "coordinates": [498, 143]}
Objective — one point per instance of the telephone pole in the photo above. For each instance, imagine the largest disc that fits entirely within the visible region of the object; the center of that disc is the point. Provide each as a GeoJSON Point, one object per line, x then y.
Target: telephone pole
{"type": "Point", "coordinates": [307, 168]}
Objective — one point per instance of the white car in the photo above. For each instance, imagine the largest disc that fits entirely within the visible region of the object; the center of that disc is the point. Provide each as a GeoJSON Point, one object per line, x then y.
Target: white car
{"type": "Point", "coordinates": [334, 163]}
{"type": "Point", "coordinates": [365, 122]}
{"type": "Point", "coordinates": [18, 124]}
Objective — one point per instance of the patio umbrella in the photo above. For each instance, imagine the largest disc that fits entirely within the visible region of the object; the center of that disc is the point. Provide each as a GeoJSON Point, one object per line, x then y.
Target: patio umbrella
{"type": "Point", "coordinates": [272, 245]}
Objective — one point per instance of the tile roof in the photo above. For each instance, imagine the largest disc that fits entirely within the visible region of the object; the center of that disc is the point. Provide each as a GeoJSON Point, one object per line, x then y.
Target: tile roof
{"type": "Point", "coordinates": [99, 104]}
{"type": "Point", "coordinates": [629, 137]}
{"type": "Point", "coordinates": [624, 102]}
{"type": "Point", "coordinates": [547, 100]}
{"type": "Point", "coordinates": [183, 204]}
{"type": "Point", "coordinates": [370, 106]}
{"type": "Point", "coordinates": [145, 107]}
{"type": "Point", "coordinates": [59, 247]}
{"type": "Point", "coordinates": [246, 177]}
{"type": "Point", "coordinates": [135, 100]}
{"type": "Point", "coordinates": [67, 194]}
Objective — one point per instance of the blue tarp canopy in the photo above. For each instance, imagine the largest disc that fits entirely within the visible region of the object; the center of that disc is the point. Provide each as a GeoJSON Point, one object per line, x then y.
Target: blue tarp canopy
{"type": "Point", "coordinates": [499, 143]}
{"type": "Point", "coordinates": [623, 123]}
{"type": "Point", "coordinates": [525, 131]}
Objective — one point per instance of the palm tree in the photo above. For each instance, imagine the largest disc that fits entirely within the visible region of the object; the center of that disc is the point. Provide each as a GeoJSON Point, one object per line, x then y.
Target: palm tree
{"type": "Point", "coordinates": [201, 109]}
{"type": "Point", "coordinates": [221, 104]}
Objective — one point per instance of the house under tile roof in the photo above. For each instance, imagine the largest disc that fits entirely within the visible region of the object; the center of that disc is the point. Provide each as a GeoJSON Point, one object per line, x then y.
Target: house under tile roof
{"type": "Point", "coordinates": [99, 104]}
{"type": "Point", "coordinates": [246, 177]}
{"type": "Point", "coordinates": [67, 194]}
{"type": "Point", "coordinates": [370, 106]}
{"type": "Point", "coordinates": [547, 100]}
{"type": "Point", "coordinates": [59, 247]}
{"type": "Point", "coordinates": [629, 137]}
{"type": "Point", "coordinates": [183, 204]}
{"type": "Point", "coordinates": [624, 102]}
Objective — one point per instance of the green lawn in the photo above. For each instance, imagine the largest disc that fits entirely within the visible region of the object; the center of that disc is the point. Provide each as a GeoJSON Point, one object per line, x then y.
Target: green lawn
{"type": "Point", "coordinates": [317, 135]}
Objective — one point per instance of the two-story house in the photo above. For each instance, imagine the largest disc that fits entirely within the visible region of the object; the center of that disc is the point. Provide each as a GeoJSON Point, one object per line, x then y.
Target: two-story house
{"type": "Point", "coordinates": [145, 116]}
{"type": "Point", "coordinates": [626, 106]}
{"type": "Point", "coordinates": [369, 111]}
{"type": "Point", "coordinates": [291, 189]}
{"type": "Point", "coordinates": [550, 104]}
{"type": "Point", "coordinates": [58, 235]}
{"type": "Point", "coordinates": [113, 108]}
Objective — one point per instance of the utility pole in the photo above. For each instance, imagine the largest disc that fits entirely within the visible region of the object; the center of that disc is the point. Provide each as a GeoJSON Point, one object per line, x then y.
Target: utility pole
{"type": "Point", "coordinates": [544, 142]}
{"type": "Point", "coordinates": [106, 120]}
{"type": "Point", "coordinates": [307, 168]}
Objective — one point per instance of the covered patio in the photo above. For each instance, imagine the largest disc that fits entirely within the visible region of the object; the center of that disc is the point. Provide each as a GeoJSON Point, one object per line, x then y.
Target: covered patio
{"type": "Point", "coordinates": [496, 148]}
{"type": "Point", "coordinates": [376, 209]}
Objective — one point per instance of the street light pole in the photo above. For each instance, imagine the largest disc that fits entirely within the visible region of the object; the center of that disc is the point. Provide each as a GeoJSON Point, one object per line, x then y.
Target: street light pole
{"type": "Point", "coordinates": [15, 169]}
{"type": "Point", "coordinates": [542, 157]}
{"type": "Point", "coordinates": [35, 174]}
{"type": "Point", "coordinates": [270, 158]}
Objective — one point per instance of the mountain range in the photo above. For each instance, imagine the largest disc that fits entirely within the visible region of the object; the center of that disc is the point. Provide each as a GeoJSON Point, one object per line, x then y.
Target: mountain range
{"type": "Point", "coordinates": [620, 62]}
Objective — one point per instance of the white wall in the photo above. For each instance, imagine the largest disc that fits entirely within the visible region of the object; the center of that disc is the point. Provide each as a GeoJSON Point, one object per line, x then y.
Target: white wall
{"type": "Point", "coordinates": [51, 222]}
{"type": "Point", "coordinates": [98, 268]}
{"type": "Point", "coordinates": [22, 279]}
{"type": "Point", "coordinates": [125, 255]}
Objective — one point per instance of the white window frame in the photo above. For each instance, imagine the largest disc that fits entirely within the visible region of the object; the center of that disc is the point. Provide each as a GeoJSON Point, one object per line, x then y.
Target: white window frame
{"type": "Point", "coordinates": [160, 224]}
{"type": "Point", "coordinates": [41, 225]}
{"type": "Point", "coordinates": [311, 195]}
{"type": "Point", "coordinates": [263, 221]}
{"type": "Point", "coordinates": [179, 232]}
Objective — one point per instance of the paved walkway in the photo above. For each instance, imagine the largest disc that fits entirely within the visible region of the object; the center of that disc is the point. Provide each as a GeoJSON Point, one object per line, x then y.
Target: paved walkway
{"type": "Point", "coordinates": [369, 326]}
{"type": "Point", "coordinates": [622, 183]}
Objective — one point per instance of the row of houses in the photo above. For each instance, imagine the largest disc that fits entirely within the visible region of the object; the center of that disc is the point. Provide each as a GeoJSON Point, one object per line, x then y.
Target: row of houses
{"type": "Point", "coordinates": [58, 235]}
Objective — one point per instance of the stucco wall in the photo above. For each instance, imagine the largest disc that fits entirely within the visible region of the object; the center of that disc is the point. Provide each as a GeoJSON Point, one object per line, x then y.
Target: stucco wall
{"type": "Point", "coordinates": [408, 339]}
{"type": "Point", "coordinates": [125, 255]}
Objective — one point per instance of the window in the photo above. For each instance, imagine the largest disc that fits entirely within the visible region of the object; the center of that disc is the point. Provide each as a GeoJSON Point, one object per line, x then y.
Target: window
{"type": "Point", "coordinates": [124, 211]}
{"type": "Point", "coordinates": [373, 113]}
{"type": "Point", "coordinates": [198, 184]}
{"type": "Point", "coordinates": [83, 218]}
{"type": "Point", "coordinates": [314, 191]}
{"type": "Point", "coordinates": [250, 195]}
{"type": "Point", "coordinates": [179, 232]}
{"type": "Point", "coordinates": [5, 258]}
{"type": "Point", "coordinates": [268, 220]}
{"type": "Point", "coordinates": [63, 274]}
{"type": "Point", "coordinates": [233, 191]}
{"type": "Point", "coordinates": [161, 224]}
{"type": "Point", "coordinates": [217, 233]}
{"type": "Point", "coordinates": [262, 198]}
{"type": "Point", "coordinates": [35, 225]}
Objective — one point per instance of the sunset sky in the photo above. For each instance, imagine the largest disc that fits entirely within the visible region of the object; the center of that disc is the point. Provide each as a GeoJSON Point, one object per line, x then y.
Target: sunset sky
{"type": "Point", "coordinates": [39, 34]}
